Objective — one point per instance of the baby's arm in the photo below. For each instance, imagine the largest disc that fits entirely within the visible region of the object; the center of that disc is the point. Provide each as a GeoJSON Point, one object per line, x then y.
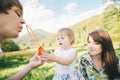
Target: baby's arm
{"type": "Point", "coordinates": [64, 61]}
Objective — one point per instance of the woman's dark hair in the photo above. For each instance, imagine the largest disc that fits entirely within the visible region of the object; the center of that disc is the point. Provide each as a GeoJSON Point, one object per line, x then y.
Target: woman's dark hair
{"type": "Point", "coordinates": [111, 61]}
{"type": "Point", "coordinates": [8, 4]}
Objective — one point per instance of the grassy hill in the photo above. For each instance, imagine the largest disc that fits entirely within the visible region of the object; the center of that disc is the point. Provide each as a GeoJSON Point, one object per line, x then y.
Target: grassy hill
{"type": "Point", "coordinates": [109, 21]}
{"type": "Point", "coordinates": [25, 40]}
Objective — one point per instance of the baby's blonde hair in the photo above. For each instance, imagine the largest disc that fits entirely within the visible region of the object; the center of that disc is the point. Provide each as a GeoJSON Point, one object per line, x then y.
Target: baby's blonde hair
{"type": "Point", "coordinates": [67, 32]}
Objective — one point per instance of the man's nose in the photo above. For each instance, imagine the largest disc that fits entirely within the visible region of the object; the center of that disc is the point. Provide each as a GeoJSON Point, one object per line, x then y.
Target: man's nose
{"type": "Point", "coordinates": [22, 21]}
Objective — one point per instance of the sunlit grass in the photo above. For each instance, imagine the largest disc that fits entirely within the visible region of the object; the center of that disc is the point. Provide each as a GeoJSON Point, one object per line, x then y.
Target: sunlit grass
{"type": "Point", "coordinates": [5, 73]}
{"type": "Point", "coordinates": [15, 61]}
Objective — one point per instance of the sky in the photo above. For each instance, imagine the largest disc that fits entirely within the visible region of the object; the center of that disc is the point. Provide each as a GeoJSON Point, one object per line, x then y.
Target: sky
{"type": "Point", "coordinates": [51, 15]}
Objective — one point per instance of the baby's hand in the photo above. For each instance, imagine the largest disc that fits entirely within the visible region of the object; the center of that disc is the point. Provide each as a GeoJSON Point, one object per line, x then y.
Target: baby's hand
{"type": "Point", "coordinates": [48, 57]}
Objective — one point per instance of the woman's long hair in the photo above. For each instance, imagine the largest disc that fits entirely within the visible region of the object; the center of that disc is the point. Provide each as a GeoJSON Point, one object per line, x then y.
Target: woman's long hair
{"type": "Point", "coordinates": [108, 53]}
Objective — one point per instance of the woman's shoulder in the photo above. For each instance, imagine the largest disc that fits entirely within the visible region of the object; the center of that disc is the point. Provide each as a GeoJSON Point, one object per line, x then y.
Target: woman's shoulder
{"type": "Point", "coordinates": [118, 58]}
{"type": "Point", "coordinates": [85, 59]}
{"type": "Point", "coordinates": [85, 56]}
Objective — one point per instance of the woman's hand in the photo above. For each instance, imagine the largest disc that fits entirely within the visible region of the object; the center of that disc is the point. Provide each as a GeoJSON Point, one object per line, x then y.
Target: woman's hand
{"type": "Point", "coordinates": [35, 61]}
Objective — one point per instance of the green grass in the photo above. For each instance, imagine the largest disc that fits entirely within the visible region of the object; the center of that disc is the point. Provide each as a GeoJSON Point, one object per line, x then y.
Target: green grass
{"type": "Point", "coordinates": [15, 61]}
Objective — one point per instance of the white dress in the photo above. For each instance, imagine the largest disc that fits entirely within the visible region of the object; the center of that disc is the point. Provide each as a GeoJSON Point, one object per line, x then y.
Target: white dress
{"type": "Point", "coordinates": [66, 72]}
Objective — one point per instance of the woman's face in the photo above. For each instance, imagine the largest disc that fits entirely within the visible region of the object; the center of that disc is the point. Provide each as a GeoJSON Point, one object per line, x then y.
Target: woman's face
{"type": "Point", "coordinates": [95, 48]}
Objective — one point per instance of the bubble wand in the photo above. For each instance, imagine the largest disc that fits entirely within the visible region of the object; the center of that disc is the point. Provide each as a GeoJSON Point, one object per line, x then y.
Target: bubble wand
{"type": "Point", "coordinates": [34, 38]}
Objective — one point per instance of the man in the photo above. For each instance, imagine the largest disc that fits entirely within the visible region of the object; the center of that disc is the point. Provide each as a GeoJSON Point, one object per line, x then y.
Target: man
{"type": "Point", "coordinates": [11, 20]}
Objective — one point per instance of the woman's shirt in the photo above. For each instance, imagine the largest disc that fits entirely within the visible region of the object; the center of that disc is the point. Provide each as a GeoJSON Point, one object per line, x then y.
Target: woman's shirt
{"type": "Point", "coordinates": [90, 71]}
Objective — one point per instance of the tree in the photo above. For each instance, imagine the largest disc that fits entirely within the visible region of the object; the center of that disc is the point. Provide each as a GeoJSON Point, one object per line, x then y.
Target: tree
{"type": "Point", "coordinates": [9, 45]}
{"type": "Point", "coordinates": [110, 0]}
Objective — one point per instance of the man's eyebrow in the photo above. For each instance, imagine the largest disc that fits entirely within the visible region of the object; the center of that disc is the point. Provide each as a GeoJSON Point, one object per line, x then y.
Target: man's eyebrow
{"type": "Point", "coordinates": [17, 10]}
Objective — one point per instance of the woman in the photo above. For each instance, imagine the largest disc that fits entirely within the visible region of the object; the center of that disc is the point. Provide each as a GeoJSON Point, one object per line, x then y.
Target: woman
{"type": "Point", "coordinates": [101, 62]}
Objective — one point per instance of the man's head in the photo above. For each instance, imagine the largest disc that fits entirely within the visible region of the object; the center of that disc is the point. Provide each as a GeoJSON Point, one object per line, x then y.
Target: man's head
{"type": "Point", "coordinates": [11, 19]}
{"type": "Point", "coordinates": [8, 4]}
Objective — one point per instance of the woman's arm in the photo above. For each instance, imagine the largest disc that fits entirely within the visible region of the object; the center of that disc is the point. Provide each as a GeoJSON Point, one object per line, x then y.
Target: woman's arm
{"type": "Point", "coordinates": [82, 68]}
{"type": "Point", "coordinates": [20, 75]}
{"type": "Point", "coordinates": [34, 62]}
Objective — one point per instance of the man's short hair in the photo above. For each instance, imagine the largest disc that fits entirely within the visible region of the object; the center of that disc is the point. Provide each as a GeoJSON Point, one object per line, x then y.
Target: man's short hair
{"type": "Point", "coordinates": [8, 4]}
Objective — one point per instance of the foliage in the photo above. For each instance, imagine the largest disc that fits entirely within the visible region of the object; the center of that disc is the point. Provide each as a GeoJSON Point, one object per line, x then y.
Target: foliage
{"type": "Point", "coordinates": [115, 1]}
{"type": "Point", "coordinates": [111, 23]}
{"type": "Point", "coordinates": [82, 29]}
{"type": "Point", "coordinates": [9, 45]}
